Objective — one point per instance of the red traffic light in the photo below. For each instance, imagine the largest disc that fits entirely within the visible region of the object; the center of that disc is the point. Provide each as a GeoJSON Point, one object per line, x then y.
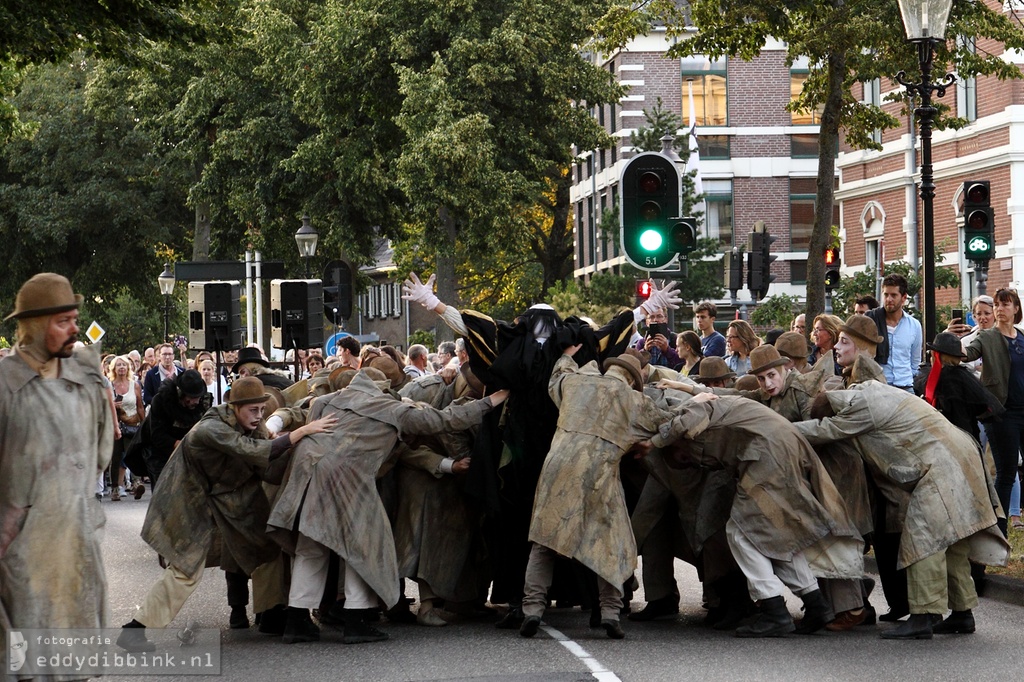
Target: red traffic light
{"type": "Point", "coordinates": [977, 192]}
{"type": "Point", "coordinates": [832, 256]}
{"type": "Point", "coordinates": [644, 288]}
{"type": "Point", "coordinates": [650, 182]}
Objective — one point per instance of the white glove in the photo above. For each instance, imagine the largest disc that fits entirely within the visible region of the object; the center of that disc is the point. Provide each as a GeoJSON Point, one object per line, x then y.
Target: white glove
{"type": "Point", "coordinates": [416, 291]}
{"type": "Point", "coordinates": [662, 298]}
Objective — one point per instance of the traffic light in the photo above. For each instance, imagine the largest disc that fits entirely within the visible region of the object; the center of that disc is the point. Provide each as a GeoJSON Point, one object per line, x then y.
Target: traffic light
{"type": "Point", "coordinates": [684, 235]}
{"type": "Point", "coordinates": [759, 261]}
{"type": "Point", "coordinates": [643, 289]}
{"type": "Point", "coordinates": [733, 262]}
{"type": "Point", "coordinates": [338, 291]}
{"type": "Point", "coordinates": [650, 230]}
{"type": "Point", "coordinates": [832, 264]}
{"type": "Point", "coordinates": [979, 223]}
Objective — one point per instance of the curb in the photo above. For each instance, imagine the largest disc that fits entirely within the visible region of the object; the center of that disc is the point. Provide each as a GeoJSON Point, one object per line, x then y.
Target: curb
{"type": "Point", "coordinates": [997, 587]}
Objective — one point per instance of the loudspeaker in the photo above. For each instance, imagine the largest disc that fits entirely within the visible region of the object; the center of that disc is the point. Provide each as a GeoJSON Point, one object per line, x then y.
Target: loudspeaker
{"type": "Point", "coordinates": [214, 316]}
{"type": "Point", "coordinates": [296, 313]}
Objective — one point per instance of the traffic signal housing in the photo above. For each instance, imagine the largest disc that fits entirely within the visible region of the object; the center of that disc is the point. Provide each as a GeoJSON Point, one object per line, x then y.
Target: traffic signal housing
{"type": "Point", "coordinates": [832, 264]}
{"type": "Point", "coordinates": [979, 221]}
{"type": "Point", "coordinates": [733, 262]}
{"type": "Point", "coordinates": [650, 231]}
{"type": "Point", "coordinates": [644, 287]}
{"type": "Point", "coordinates": [759, 261]}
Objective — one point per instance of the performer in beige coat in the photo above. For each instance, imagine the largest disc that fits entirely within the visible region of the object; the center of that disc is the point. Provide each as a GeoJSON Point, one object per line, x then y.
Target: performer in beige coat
{"type": "Point", "coordinates": [56, 436]}
{"type": "Point", "coordinates": [580, 508]}
{"type": "Point", "coordinates": [947, 518]}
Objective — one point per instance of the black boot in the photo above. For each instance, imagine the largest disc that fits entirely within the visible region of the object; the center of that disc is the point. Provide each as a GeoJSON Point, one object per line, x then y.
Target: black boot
{"type": "Point", "coordinates": [239, 618]}
{"type": "Point", "coordinates": [817, 613]}
{"type": "Point", "coordinates": [299, 627]}
{"type": "Point", "coordinates": [957, 623]}
{"type": "Point", "coordinates": [133, 638]}
{"type": "Point", "coordinates": [530, 626]}
{"type": "Point", "coordinates": [273, 621]}
{"type": "Point", "coordinates": [736, 606]}
{"type": "Point", "coordinates": [773, 621]}
{"type": "Point", "coordinates": [666, 607]}
{"type": "Point", "coordinates": [613, 628]}
{"type": "Point", "coordinates": [918, 626]}
{"type": "Point", "coordinates": [358, 631]}
{"type": "Point", "coordinates": [512, 619]}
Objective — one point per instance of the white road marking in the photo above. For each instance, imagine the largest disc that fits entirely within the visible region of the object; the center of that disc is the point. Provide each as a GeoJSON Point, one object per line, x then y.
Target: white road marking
{"type": "Point", "coordinates": [600, 672]}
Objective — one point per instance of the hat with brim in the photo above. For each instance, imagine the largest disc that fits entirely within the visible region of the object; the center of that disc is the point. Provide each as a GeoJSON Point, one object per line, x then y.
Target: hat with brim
{"type": "Point", "coordinates": [714, 369]}
{"type": "Point", "coordinates": [390, 369]}
{"type": "Point", "coordinates": [631, 364]}
{"type": "Point", "coordinates": [765, 357]}
{"type": "Point", "coordinates": [863, 328]}
{"type": "Point", "coordinates": [191, 384]}
{"type": "Point", "coordinates": [247, 355]}
{"type": "Point", "coordinates": [277, 399]}
{"type": "Point", "coordinates": [44, 294]}
{"type": "Point", "coordinates": [793, 345]}
{"type": "Point", "coordinates": [248, 390]}
{"type": "Point", "coordinates": [341, 377]}
{"type": "Point", "coordinates": [947, 344]}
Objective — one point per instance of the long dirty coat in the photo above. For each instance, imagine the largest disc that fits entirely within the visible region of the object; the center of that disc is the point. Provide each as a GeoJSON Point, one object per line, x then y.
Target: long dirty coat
{"type": "Point", "coordinates": [785, 502]}
{"type": "Point", "coordinates": [330, 493]}
{"type": "Point", "coordinates": [210, 507]}
{"type": "Point", "coordinates": [580, 509]}
{"type": "Point", "coordinates": [906, 441]}
{"type": "Point", "coordinates": [56, 435]}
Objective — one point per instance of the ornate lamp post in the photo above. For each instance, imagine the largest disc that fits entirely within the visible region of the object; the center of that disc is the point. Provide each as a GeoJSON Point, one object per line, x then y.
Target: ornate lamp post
{"type": "Point", "coordinates": [306, 239]}
{"type": "Point", "coordinates": [166, 282]}
{"type": "Point", "coordinates": [925, 24]}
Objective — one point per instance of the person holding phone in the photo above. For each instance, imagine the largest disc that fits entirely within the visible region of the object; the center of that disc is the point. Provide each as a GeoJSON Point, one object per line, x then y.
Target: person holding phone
{"type": "Point", "coordinates": [659, 340]}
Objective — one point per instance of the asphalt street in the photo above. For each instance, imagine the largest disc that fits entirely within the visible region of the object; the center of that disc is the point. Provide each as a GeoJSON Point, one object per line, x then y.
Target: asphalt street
{"type": "Point", "coordinates": [566, 650]}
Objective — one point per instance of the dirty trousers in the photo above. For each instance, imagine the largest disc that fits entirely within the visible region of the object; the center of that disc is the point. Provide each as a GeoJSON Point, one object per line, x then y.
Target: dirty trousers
{"type": "Point", "coordinates": [942, 581]}
{"type": "Point", "coordinates": [167, 596]}
{"type": "Point", "coordinates": [309, 578]}
{"type": "Point", "coordinates": [766, 577]}
{"type": "Point", "coordinates": [539, 573]}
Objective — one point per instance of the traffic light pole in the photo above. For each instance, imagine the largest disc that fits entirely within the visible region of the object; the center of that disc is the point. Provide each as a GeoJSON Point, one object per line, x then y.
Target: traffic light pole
{"type": "Point", "coordinates": [981, 277]}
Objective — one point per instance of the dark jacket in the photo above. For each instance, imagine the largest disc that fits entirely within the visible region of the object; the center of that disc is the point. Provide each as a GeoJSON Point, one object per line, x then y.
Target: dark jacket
{"type": "Point", "coordinates": [990, 345]}
{"type": "Point", "coordinates": [167, 423]}
{"type": "Point", "coordinates": [882, 350]}
{"type": "Point", "coordinates": [961, 398]}
{"type": "Point", "coordinates": [152, 381]}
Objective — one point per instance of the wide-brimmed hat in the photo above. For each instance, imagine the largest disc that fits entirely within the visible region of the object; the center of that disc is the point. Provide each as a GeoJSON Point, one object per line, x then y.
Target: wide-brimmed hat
{"type": "Point", "coordinates": [947, 344]}
{"type": "Point", "coordinates": [44, 294]}
{"type": "Point", "coordinates": [277, 399]}
{"type": "Point", "coordinates": [247, 355]}
{"type": "Point", "coordinates": [765, 357]}
{"type": "Point", "coordinates": [390, 368]}
{"type": "Point", "coordinates": [341, 377]}
{"type": "Point", "coordinates": [792, 344]}
{"type": "Point", "coordinates": [632, 363]}
{"type": "Point", "coordinates": [862, 327]}
{"type": "Point", "coordinates": [747, 382]}
{"type": "Point", "coordinates": [248, 390]}
{"type": "Point", "coordinates": [713, 368]}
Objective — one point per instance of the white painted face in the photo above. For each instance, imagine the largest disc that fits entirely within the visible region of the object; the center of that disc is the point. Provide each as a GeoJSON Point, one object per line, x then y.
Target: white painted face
{"type": "Point", "coordinates": [846, 350]}
{"type": "Point", "coordinates": [772, 380]}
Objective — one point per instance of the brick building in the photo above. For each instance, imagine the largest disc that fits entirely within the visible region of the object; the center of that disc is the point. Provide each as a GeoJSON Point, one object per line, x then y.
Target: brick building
{"type": "Point", "coordinates": [881, 212]}
{"type": "Point", "coordinates": [757, 160]}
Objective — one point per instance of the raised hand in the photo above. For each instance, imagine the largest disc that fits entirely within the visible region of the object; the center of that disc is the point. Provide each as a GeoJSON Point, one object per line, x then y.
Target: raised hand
{"type": "Point", "coordinates": [666, 297]}
{"type": "Point", "coordinates": [419, 292]}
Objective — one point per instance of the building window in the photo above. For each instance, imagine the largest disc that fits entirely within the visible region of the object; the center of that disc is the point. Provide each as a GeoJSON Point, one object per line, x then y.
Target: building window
{"type": "Point", "coordinates": [967, 88]}
{"type": "Point", "coordinates": [579, 235]}
{"type": "Point", "coordinates": [803, 146]}
{"type": "Point", "coordinates": [801, 212]}
{"type": "Point", "coordinates": [718, 211]}
{"type": "Point", "coordinates": [615, 207]}
{"type": "Point", "coordinates": [591, 231]}
{"type": "Point", "coordinates": [797, 77]}
{"type": "Point", "coordinates": [713, 146]}
{"type": "Point", "coordinates": [798, 272]}
{"type": "Point", "coordinates": [708, 80]}
{"type": "Point", "coordinates": [396, 296]}
{"type": "Point", "coordinates": [873, 97]}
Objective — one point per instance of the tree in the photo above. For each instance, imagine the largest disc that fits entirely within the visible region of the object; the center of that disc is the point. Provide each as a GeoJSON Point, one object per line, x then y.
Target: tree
{"type": "Point", "coordinates": [844, 42]}
{"type": "Point", "coordinates": [84, 197]}
{"type": "Point", "coordinates": [46, 31]}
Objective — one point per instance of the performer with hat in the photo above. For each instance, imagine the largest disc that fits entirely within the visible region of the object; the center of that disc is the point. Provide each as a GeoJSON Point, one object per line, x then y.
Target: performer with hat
{"type": "Point", "coordinates": [580, 509]}
{"type": "Point", "coordinates": [213, 498]}
{"type": "Point", "coordinates": [56, 436]}
{"type": "Point", "coordinates": [252, 363]}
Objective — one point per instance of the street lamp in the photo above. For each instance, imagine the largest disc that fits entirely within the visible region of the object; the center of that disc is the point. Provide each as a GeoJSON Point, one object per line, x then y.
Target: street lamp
{"type": "Point", "coordinates": [925, 24]}
{"type": "Point", "coordinates": [306, 239]}
{"type": "Point", "coordinates": [166, 282]}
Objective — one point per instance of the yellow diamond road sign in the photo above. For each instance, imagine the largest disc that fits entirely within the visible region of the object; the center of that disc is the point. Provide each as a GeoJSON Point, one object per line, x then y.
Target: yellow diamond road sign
{"type": "Point", "coordinates": [95, 332]}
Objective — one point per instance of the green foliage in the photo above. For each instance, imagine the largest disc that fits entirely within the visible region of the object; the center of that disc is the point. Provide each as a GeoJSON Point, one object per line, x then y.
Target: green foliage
{"type": "Point", "coordinates": [659, 122]}
{"type": "Point", "coordinates": [777, 310]}
{"type": "Point", "coordinates": [600, 300]}
{"type": "Point", "coordinates": [84, 197]}
{"type": "Point", "coordinates": [129, 323]}
{"type": "Point", "coordinates": [424, 337]}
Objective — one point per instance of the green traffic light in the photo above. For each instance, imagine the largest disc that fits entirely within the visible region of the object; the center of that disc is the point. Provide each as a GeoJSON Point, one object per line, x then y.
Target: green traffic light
{"type": "Point", "coordinates": [651, 239]}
